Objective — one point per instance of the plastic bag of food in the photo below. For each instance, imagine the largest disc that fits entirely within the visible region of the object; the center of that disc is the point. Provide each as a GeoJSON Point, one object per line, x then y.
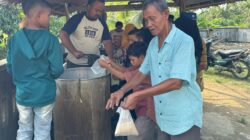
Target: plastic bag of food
{"type": "Point", "coordinates": [125, 125]}
{"type": "Point", "coordinates": [96, 68]}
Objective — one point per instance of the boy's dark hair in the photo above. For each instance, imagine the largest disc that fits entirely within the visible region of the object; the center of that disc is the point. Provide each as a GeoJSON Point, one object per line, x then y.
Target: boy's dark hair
{"type": "Point", "coordinates": [118, 23]}
{"type": "Point", "coordinates": [135, 31]}
{"type": "Point", "coordinates": [137, 49]}
{"type": "Point", "coordinates": [27, 5]}
{"type": "Point", "coordinates": [143, 33]}
{"type": "Point", "coordinates": [90, 2]}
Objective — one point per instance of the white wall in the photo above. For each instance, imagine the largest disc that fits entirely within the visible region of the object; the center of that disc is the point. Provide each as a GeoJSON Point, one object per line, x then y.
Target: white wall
{"type": "Point", "coordinates": [230, 34]}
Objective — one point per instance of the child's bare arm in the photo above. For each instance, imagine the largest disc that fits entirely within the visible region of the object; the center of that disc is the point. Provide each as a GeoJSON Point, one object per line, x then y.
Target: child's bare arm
{"type": "Point", "coordinates": [116, 72]}
{"type": "Point", "coordinates": [118, 67]}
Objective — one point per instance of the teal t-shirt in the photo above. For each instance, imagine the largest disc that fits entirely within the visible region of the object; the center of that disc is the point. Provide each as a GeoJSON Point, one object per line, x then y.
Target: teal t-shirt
{"type": "Point", "coordinates": [34, 60]}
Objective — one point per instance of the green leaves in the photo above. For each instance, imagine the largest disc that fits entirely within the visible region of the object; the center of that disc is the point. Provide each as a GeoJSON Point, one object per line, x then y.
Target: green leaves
{"type": "Point", "coordinates": [3, 42]}
{"type": "Point", "coordinates": [56, 23]}
{"type": "Point", "coordinates": [9, 18]}
{"type": "Point", "coordinates": [134, 17]}
{"type": "Point", "coordinates": [228, 15]}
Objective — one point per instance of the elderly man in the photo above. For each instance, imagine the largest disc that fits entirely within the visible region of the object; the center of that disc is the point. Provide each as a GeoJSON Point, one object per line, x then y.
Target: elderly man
{"type": "Point", "coordinates": [170, 62]}
{"type": "Point", "coordinates": [83, 34]}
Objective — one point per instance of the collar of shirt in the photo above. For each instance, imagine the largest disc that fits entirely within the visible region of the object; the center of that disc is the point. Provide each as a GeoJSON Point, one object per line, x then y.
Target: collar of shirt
{"type": "Point", "coordinates": [170, 36]}
{"type": "Point", "coordinates": [168, 39]}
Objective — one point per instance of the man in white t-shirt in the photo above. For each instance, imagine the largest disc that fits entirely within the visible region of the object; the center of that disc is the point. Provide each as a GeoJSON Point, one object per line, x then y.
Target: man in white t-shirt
{"type": "Point", "coordinates": [84, 32]}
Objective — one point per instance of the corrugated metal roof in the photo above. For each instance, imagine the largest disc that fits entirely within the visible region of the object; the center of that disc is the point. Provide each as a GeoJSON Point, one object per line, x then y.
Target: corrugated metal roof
{"type": "Point", "coordinates": [61, 7]}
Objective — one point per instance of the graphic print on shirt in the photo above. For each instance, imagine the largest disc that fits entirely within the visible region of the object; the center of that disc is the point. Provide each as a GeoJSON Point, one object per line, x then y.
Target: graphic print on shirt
{"type": "Point", "coordinates": [90, 32]}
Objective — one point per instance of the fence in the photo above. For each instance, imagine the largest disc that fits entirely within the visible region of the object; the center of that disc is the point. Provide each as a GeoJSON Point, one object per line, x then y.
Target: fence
{"type": "Point", "coordinates": [230, 34]}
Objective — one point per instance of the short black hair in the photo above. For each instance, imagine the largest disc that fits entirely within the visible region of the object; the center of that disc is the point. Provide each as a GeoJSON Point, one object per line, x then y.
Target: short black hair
{"type": "Point", "coordinates": [27, 5]}
{"type": "Point", "coordinates": [118, 23]}
{"type": "Point", "coordinates": [90, 2]}
{"type": "Point", "coordinates": [134, 31]}
{"type": "Point", "coordinates": [137, 49]}
{"type": "Point", "coordinates": [142, 33]}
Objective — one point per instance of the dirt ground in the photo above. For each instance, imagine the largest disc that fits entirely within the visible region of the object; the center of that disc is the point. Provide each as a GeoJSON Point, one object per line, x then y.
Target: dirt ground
{"type": "Point", "coordinates": [226, 108]}
{"type": "Point", "coordinates": [226, 112]}
{"type": "Point", "coordinates": [231, 45]}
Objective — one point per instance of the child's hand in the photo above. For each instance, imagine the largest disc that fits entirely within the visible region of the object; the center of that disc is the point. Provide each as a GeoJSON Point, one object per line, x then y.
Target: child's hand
{"type": "Point", "coordinates": [103, 63]}
{"type": "Point", "coordinates": [108, 61]}
{"type": "Point", "coordinates": [114, 99]}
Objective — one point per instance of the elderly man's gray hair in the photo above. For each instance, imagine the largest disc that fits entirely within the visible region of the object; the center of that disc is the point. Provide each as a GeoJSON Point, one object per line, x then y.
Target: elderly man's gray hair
{"type": "Point", "coordinates": [161, 5]}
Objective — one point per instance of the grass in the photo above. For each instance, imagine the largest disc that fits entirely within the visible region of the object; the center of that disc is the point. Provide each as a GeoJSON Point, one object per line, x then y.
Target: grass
{"type": "Point", "coordinates": [226, 78]}
{"type": "Point", "coordinates": [242, 121]}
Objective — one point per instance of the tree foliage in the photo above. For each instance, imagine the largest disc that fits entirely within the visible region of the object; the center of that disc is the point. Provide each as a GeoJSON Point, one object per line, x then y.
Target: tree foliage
{"type": "Point", "coordinates": [9, 18]}
{"type": "Point", "coordinates": [227, 15]}
{"type": "Point", "coordinates": [134, 17]}
{"type": "Point", "coordinates": [56, 23]}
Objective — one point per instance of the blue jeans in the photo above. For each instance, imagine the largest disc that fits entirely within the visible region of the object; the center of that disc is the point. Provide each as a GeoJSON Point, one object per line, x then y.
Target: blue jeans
{"type": "Point", "coordinates": [34, 120]}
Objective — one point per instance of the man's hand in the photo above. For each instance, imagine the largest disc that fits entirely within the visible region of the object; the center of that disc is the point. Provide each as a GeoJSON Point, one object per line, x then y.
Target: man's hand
{"type": "Point", "coordinates": [114, 99]}
{"type": "Point", "coordinates": [78, 54]}
{"type": "Point", "coordinates": [130, 101]}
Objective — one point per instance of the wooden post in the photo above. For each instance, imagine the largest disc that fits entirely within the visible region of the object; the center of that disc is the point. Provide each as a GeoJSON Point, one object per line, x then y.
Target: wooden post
{"type": "Point", "coordinates": [182, 6]}
{"type": "Point", "coordinates": [66, 11]}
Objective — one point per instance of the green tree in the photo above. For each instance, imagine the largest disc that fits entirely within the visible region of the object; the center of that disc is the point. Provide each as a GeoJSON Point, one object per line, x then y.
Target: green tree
{"type": "Point", "coordinates": [56, 23]}
{"type": "Point", "coordinates": [10, 17]}
{"type": "Point", "coordinates": [126, 17]}
{"type": "Point", "coordinates": [227, 15]}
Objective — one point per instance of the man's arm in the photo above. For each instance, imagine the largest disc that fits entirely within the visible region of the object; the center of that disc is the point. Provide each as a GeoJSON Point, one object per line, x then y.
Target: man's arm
{"type": "Point", "coordinates": [70, 27]}
{"type": "Point", "coordinates": [106, 40]}
{"type": "Point", "coordinates": [68, 44]}
{"type": "Point", "coordinates": [165, 86]}
{"type": "Point", "coordinates": [116, 96]}
{"type": "Point", "coordinates": [108, 48]}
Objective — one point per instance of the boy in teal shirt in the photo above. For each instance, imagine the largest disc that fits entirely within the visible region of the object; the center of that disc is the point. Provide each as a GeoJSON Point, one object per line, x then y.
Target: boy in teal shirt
{"type": "Point", "coordinates": [34, 60]}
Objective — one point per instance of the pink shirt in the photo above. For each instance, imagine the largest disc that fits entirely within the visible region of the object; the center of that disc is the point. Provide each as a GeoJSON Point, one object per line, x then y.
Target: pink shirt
{"type": "Point", "coordinates": [144, 107]}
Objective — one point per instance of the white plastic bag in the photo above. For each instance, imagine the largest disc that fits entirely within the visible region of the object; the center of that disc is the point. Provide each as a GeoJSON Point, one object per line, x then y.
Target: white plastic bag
{"type": "Point", "coordinates": [125, 125]}
{"type": "Point", "coordinates": [96, 68]}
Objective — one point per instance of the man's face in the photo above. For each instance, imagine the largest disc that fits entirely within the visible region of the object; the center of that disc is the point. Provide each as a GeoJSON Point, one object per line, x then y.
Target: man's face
{"type": "Point", "coordinates": [95, 10]}
{"type": "Point", "coordinates": [154, 19]}
{"type": "Point", "coordinates": [119, 27]}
